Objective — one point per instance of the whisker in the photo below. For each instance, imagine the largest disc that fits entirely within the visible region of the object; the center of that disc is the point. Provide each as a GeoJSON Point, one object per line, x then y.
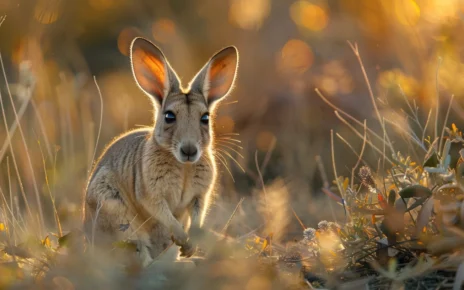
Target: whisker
{"type": "Point", "coordinates": [230, 103]}
{"type": "Point", "coordinates": [231, 157]}
{"type": "Point", "coordinates": [229, 139]}
{"type": "Point", "coordinates": [228, 134]}
{"type": "Point", "coordinates": [224, 162]}
{"type": "Point", "coordinates": [228, 142]}
{"type": "Point", "coordinates": [238, 153]}
{"type": "Point", "coordinates": [208, 161]}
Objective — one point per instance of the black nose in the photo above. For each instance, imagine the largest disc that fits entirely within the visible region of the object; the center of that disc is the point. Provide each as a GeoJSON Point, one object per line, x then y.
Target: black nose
{"type": "Point", "coordinates": [189, 150]}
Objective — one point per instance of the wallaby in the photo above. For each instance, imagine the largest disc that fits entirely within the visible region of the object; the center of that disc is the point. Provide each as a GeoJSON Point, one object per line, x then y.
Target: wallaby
{"type": "Point", "coordinates": [149, 181]}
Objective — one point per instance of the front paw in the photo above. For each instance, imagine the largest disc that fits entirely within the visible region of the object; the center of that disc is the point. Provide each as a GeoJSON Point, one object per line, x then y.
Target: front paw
{"type": "Point", "coordinates": [187, 250]}
{"type": "Point", "coordinates": [179, 237]}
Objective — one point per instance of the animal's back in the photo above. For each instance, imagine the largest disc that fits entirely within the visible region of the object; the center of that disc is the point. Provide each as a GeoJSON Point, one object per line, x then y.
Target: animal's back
{"type": "Point", "coordinates": [110, 188]}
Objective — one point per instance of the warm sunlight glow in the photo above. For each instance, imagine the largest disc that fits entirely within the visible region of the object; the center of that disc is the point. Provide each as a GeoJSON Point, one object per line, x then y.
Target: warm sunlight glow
{"type": "Point", "coordinates": [163, 30]}
{"type": "Point", "coordinates": [224, 124]}
{"type": "Point", "coordinates": [308, 15]}
{"type": "Point", "coordinates": [407, 12]}
{"type": "Point", "coordinates": [103, 4]}
{"type": "Point", "coordinates": [249, 14]}
{"type": "Point", "coordinates": [437, 11]}
{"type": "Point", "coordinates": [47, 11]}
{"type": "Point", "coordinates": [125, 39]}
{"type": "Point", "coordinates": [264, 140]}
{"type": "Point", "coordinates": [296, 57]}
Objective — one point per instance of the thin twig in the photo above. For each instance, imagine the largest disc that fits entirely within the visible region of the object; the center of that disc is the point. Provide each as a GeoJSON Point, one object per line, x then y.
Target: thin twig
{"type": "Point", "coordinates": [409, 133]}
{"type": "Point", "coordinates": [262, 184]}
{"type": "Point", "coordinates": [340, 188]}
{"type": "Point", "coordinates": [352, 119]}
{"type": "Point", "coordinates": [360, 136]}
{"type": "Point", "coordinates": [226, 226]}
{"type": "Point", "coordinates": [13, 155]}
{"type": "Point", "coordinates": [445, 123]}
{"type": "Point", "coordinates": [42, 129]}
{"type": "Point", "coordinates": [28, 156]}
{"type": "Point", "coordinates": [413, 112]}
{"type": "Point", "coordinates": [52, 198]}
{"type": "Point", "coordinates": [426, 125]}
{"type": "Point", "coordinates": [369, 88]}
{"type": "Point", "coordinates": [267, 158]}
{"type": "Point", "coordinates": [101, 121]}
{"type": "Point", "coordinates": [360, 155]}
{"type": "Point", "coordinates": [325, 184]}
{"type": "Point", "coordinates": [351, 148]}
{"type": "Point", "coordinates": [15, 124]}
{"type": "Point", "coordinates": [437, 105]}
{"type": "Point", "coordinates": [298, 219]}
{"type": "Point", "coordinates": [2, 19]}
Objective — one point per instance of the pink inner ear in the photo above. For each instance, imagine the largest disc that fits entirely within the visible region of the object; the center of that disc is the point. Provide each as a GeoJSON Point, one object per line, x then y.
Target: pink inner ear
{"type": "Point", "coordinates": [221, 76]}
{"type": "Point", "coordinates": [150, 72]}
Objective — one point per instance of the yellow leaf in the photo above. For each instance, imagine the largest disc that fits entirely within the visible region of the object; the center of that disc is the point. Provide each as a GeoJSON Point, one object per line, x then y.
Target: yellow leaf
{"type": "Point", "coordinates": [264, 245]}
{"type": "Point", "coordinates": [2, 227]}
{"type": "Point", "coordinates": [46, 242]}
{"type": "Point", "coordinates": [346, 182]}
{"type": "Point", "coordinates": [257, 240]}
{"type": "Point", "coordinates": [454, 128]}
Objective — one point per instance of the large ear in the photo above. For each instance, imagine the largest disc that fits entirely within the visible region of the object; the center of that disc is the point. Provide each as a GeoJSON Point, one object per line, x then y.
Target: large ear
{"type": "Point", "coordinates": [217, 77]}
{"type": "Point", "coordinates": [151, 70]}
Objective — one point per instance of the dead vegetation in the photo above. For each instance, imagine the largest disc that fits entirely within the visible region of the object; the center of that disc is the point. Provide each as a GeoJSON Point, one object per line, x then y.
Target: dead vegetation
{"type": "Point", "coordinates": [402, 222]}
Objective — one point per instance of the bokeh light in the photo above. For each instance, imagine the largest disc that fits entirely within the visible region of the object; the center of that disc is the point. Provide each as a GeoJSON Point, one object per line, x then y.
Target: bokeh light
{"type": "Point", "coordinates": [334, 79]}
{"type": "Point", "coordinates": [392, 79]}
{"type": "Point", "coordinates": [125, 39]}
{"type": "Point", "coordinates": [296, 57]}
{"type": "Point", "coordinates": [287, 49]}
{"type": "Point", "coordinates": [163, 30]}
{"type": "Point", "coordinates": [264, 140]}
{"type": "Point", "coordinates": [308, 15]}
{"type": "Point", "coordinates": [249, 14]}
{"type": "Point", "coordinates": [224, 124]}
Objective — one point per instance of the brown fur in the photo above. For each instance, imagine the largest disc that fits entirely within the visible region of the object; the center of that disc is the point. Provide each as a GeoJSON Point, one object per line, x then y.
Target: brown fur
{"type": "Point", "coordinates": [145, 185]}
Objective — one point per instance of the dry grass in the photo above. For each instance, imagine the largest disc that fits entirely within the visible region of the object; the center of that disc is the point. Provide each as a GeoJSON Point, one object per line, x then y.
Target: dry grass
{"type": "Point", "coordinates": [402, 227]}
{"type": "Point", "coordinates": [397, 217]}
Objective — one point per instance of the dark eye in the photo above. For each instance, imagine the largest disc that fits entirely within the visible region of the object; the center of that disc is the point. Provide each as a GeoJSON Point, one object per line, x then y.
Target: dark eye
{"type": "Point", "coordinates": [205, 118]}
{"type": "Point", "coordinates": [169, 117]}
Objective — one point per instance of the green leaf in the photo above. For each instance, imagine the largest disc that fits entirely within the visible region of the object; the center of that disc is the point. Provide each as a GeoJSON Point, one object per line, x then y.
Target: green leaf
{"type": "Point", "coordinates": [63, 241]}
{"type": "Point", "coordinates": [415, 191]}
{"type": "Point", "coordinates": [46, 242]}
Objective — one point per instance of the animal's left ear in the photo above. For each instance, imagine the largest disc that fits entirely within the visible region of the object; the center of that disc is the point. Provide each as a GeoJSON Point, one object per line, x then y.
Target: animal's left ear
{"type": "Point", "coordinates": [216, 79]}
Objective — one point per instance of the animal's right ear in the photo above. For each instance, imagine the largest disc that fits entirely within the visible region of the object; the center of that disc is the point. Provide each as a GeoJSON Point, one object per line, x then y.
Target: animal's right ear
{"type": "Point", "coordinates": [151, 70]}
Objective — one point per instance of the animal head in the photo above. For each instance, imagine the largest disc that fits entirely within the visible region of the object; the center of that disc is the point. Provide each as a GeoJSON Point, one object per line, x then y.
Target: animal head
{"type": "Point", "coordinates": [183, 115]}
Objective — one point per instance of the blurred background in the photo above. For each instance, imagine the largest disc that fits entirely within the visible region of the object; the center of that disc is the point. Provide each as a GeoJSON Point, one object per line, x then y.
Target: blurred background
{"type": "Point", "coordinates": [53, 49]}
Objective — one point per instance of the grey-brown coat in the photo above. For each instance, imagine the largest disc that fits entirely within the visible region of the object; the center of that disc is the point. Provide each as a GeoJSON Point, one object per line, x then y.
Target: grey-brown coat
{"type": "Point", "coordinates": [148, 182]}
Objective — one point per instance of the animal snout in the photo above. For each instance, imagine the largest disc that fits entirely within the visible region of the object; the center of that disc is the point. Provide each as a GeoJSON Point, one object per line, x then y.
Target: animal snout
{"type": "Point", "coordinates": [189, 150]}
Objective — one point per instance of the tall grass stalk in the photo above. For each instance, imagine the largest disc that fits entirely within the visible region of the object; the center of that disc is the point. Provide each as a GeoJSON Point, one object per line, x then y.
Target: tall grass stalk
{"type": "Point", "coordinates": [28, 156]}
